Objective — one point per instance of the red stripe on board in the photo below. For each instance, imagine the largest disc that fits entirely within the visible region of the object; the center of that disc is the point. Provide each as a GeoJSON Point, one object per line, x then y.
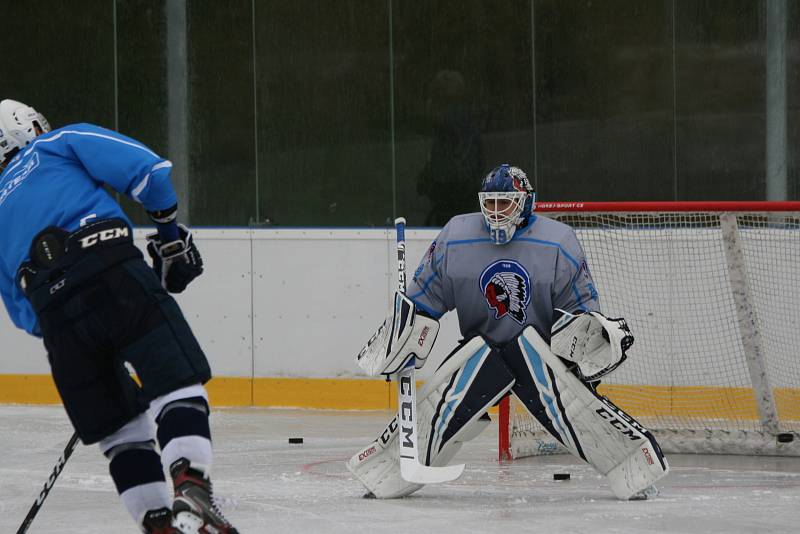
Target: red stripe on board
{"type": "Point", "coordinates": [668, 206]}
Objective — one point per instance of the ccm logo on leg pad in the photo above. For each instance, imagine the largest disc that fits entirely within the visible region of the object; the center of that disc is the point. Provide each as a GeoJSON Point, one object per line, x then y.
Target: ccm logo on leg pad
{"type": "Point", "coordinates": [625, 430]}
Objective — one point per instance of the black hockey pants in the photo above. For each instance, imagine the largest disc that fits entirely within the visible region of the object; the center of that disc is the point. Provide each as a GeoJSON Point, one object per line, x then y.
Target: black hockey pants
{"type": "Point", "coordinates": [99, 306]}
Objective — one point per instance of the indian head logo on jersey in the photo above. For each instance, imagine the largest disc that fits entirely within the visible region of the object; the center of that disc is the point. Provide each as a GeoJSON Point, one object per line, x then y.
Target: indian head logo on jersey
{"type": "Point", "coordinates": [507, 288]}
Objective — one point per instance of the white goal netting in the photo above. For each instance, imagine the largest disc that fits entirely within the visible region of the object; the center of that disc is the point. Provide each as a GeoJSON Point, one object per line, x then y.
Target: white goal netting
{"type": "Point", "coordinates": [713, 299]}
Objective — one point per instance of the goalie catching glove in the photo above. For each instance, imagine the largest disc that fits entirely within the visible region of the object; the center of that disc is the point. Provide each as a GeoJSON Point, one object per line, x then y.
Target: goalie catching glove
{"type": "Point", "coordinates": [176, 262]}
{"type": "Point", "coordinates": [405, 334]}
{"type": "Point", "coordinates": [591, 340]}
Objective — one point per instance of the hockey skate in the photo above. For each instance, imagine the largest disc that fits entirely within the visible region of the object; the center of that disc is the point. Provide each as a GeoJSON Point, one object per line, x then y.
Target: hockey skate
{"type": "Point", "coordinates": [158, 522]}
{"type": "Point", "coordinates": [650, 492]}
{"type": "Point", "coordinates": [194, 509]}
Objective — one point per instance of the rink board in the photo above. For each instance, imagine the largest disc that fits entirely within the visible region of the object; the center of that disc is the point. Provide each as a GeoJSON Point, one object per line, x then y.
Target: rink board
{"type": "Point", "coordinates": [365, 394]}
{"type": "Point", "coordinates": [282, 313]}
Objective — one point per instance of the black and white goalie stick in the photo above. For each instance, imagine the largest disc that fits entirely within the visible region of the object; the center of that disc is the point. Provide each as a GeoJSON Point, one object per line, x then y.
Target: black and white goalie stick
{"type": "Point", "coordinates": [410, 467]}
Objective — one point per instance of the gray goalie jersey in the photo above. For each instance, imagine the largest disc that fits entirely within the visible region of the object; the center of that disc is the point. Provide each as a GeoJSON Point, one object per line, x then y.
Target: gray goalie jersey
{"type": "Point", "coordinates": [498, 290]}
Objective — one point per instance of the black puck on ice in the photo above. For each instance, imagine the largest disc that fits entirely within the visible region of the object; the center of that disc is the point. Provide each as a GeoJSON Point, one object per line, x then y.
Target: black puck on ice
{"type": "Point", "coordinates": [295, 440]}
{"type": "Point", "coordinates": [560, 476]}
{"type": "Point", "coordinates": [785, 438]}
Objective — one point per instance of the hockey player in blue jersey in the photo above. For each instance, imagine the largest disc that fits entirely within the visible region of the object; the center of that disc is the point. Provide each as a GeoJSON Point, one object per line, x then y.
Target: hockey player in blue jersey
{"type": "Point", "coordinates": [70, 274]}
{"type": "Point", "coordinates": [530, 319]}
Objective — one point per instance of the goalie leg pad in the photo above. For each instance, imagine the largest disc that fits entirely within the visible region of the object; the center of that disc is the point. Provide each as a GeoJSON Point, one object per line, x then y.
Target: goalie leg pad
{"type": "Point", "coordinates": [591, 426]}
{"type": "Point", "coordinates": [451, 406]}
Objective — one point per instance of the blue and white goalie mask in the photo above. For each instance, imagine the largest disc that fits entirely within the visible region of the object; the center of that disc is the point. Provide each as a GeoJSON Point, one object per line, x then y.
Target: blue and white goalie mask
{"type": "Point", "coordinates": [506, 198]}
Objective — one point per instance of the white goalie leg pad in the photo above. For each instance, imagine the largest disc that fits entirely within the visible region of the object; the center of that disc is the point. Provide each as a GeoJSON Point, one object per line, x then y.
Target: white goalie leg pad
{"type": "Point", "coordinates": [377, 465]}
{"type": "Point", "coordinates": [592, 427]}
{"type": "Point", "coordinates": [597, 344]}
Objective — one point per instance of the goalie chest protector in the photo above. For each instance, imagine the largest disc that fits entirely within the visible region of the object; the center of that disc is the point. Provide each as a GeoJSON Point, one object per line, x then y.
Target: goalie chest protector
{"type": "Point", "coordinates": [498, 290]}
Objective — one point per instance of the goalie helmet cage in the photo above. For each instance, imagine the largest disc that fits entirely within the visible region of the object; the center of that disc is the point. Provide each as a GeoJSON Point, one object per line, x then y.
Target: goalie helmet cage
{"type": "Point", "coordinates": [711, 291]}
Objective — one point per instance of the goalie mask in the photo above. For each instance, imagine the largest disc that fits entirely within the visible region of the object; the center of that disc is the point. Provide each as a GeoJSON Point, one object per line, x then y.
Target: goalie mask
{"type": "Point", "coordinates": [506, 198]}
{"type": "Point", "coordinates": [19, 125]}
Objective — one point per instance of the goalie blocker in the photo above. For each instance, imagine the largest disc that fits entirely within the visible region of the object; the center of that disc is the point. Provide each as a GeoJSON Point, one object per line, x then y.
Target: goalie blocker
{"type": "Point", "coordinates": [404, 334]}
{"type": "Point", "coordinates": [454, 401]}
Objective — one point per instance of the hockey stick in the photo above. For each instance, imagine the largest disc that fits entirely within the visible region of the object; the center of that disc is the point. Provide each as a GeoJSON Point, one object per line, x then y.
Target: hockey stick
{"type": "Point", "coordinates": [62, 460]}
{"type": "Point", "coordinates": [410, 467]}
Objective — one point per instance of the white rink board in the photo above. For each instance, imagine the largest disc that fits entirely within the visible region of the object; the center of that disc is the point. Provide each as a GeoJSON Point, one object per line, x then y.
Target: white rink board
{"type": "Point", "coordinates": [218, 304]}
{"type": "Point", "coordinates": [301, 303]}
{"type": "Point", "coordinates": [272, 303]}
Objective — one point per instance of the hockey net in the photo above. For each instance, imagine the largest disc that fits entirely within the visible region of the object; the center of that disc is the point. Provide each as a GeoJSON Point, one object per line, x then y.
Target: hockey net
{"type": "Point", "coordinates": [711, 292]}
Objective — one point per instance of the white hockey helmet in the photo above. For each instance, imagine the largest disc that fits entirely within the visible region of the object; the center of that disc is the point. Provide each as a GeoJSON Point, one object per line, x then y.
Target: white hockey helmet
{"type": "Point", "coordinates": [19, 125]}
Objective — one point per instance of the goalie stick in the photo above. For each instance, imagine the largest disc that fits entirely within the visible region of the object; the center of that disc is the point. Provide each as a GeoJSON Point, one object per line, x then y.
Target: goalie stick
{"type": "Point", "coordinates": [37, 505]}
{"type": "Point", "coordinates": [410, 467]}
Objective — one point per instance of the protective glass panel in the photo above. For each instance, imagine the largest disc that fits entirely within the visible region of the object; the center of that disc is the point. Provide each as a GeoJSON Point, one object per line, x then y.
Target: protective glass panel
{"type": "Point", "coordinates": [323, 88]}
{"type": "Point", "coordinates": [720, 99]}
{"type": "Point", "coordinates": [463, 101]}
{"type": "Point", "coordinates": [604, 103]}
{"type": "Point", "coordinates": [143, 111]}
{"type": "Point", "coordinates": [793, 100]}
{"type": "Point", "coordinates": [222, 171]}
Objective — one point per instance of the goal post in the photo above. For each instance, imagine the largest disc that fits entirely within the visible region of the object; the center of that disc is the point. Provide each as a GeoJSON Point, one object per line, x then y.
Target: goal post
{"type": "Point", "coordinates": [711, 291]}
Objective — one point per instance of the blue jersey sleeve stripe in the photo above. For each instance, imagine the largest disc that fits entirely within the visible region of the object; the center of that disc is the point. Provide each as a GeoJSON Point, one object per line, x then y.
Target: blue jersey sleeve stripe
{"type": "Point", "coordinates": [425, 285]}
{"type": "Point", "coordinates": [428, 282]}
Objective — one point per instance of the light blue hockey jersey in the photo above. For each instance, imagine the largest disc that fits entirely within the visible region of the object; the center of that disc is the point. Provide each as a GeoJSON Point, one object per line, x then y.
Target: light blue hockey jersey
{"type": "Point", "coordinates": [498, 290]}
{"type": "Point", "coordinates": [58, 180]}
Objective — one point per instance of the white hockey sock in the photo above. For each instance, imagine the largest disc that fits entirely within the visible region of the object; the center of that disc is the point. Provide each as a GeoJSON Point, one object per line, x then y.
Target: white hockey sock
{"type": "Point", "coordinates": [141, 499]}
{"type": "Point", "coordinates": [196, 449]}
{"type": "Point", "coordinates": [183, 429]}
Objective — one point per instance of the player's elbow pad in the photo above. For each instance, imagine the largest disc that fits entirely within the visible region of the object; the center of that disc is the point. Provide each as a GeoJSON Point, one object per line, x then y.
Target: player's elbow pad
{"type": "Point", "coordinates": [596, 343]}
{"type": "Point", "coordinates": [405, 334]}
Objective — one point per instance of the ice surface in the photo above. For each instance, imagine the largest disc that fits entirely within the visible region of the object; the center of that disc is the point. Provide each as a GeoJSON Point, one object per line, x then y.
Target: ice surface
{"type": "Point", "coordinates": [267, 485]}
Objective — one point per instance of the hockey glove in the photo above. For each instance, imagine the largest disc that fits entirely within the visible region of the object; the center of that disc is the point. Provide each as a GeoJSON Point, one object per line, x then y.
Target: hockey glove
{"type": "Point", "coordinates": [596, 343]}
{"type": "Point", "coordinates": [176, 263]}
{"type": "Point", "coordinates": [405, 334]}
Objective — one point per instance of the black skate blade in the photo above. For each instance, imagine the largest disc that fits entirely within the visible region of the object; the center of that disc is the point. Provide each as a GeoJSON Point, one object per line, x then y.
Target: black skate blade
{"type": "Point", "coordinates": [369, 495]}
